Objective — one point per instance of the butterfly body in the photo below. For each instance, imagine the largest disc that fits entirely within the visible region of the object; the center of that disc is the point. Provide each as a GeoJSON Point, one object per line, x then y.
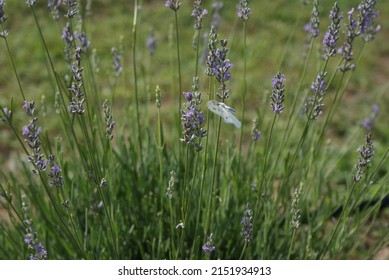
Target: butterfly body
{"type": "Point", "coordinates": [225, 112]}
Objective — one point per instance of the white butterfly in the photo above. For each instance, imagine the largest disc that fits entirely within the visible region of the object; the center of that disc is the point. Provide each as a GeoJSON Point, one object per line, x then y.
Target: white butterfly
{"type": "Point", "coordinates": [225, 112]}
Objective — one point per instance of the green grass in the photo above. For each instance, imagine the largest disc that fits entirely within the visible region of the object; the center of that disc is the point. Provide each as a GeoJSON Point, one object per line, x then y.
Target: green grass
{"type": "Point", "coordinates": [131, 217]}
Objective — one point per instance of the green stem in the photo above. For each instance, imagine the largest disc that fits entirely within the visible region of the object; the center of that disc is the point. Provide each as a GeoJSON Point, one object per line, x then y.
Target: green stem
{"type": "Point", "coordinates": [136, 83]}
{"type": "Point", "coordinates": [267, 148]}
{"type": "Point", "coordinates": [291, 243]}
{"type": "Point", "coordinates": [244, 91]}
{"type": "Point", "coordinates": [210, 195]}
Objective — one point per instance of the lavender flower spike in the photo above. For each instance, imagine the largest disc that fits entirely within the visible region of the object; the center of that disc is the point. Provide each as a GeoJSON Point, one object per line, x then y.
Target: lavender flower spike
{"type": "Point", "coordinates": [369, 121]}
{"type": "Point", "coordinates": [366, 20]}
{"type": "Point", "coordinates": [151, 43]}
{"type": "Point", "coordinates": [365, 155]}
{"type": "Point", "coordinates": [109, 123]}
{"type": "Point", "coordinates": [332, 35]}
{"type": "Point", "coordinates": [277, 96]}
{"type": "Point", "coordinates": [3, 18]}
{"type": "Point", "coordinates": [198, 14]}
{"type": "Point", "coordinates": [212, 47]}
{"type": "Point", "coordinates": [208, 247]}
{"type": "Point", "coordinates": [173, 4]}
{"type": "Point", "coordinates": [220, 66]}
{"type": "Point", "coordinates": [31, 133]}
{"type": "Point", "coordinates": [31, 237]}
{"type": "Point", "coordinates": [315, 21]}
{"type": "Point", "coordinates": [77, 103]}
{"type": "Point", "coordinates": [247, 224]}
{"type": "Point", "coordinates": [243, 10]}
{"type": "Point", "coordinates": [193, 118]}
{"type": "Point", "coordinates": [255, 133]}
{"type": "Point", "coordinates": [116, 62]}
{"type": "Point", "coordinates": [72, 8]}
{"type": "Point", "coordinates": [30, 3]}
{"type": "Point", "coordinates": [347, 49]}
{"type": "Point", "coordinates": [314, 105]}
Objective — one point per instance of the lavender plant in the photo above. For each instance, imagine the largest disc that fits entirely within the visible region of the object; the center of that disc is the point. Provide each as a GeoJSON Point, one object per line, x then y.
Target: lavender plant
{"type": "Point", "coordinates": [110, 192]}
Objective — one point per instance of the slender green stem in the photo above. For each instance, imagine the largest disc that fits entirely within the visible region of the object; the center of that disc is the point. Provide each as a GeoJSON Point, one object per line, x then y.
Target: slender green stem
{"type": "Point", "coordinates": [244, 93]}
{"type": "Point", "coordinates": [136, 82]}
{"type": "Point", "coordinates": [243, 251]}
{"type": "Point", "coordinates": [267, 148]}
{"type": "Point", "coordinates": [291, 243]}
{"type": "Point", "coordinates": [179, 84]}
{"type": "Point", "coordinates": [210, 195]}
{"type": "Point", "coordinates": [178, 64]}
{"type": "Point", "coordinates": [198, 35]}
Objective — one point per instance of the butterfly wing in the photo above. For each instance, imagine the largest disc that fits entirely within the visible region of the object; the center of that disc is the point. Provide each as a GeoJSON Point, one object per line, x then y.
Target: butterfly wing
{"type": "Point", "coordinates": [225, 112]}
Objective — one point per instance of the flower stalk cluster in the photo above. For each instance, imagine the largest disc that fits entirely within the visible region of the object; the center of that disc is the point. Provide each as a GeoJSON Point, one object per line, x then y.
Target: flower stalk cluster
{"type": "Point", "coordinates": [7, 115]}
{"type": "Point", "coordinates": [3, 18]}
{"type": "Point", "coordinates": [347, 49]}
{"type": "Point", "coordinates": [31, 133]}
{"type": "Point", "coordinates": [295, 211]}
{"type": "Point", "coordinates": [173, 4]}
{"type": "Point", "coordinates": [368, 122]}
{"type": "Point", "coordinates": [315, 21]}
{"type": "Point", "coordinates": [76, 105]}
{"type": "Point", "coordinates": [198, 13]}
{"type": "Point", "coordinates": [364, 26]}
{"type": "Point", "coordinates": [192, 118]}
{"type": "Point", "coordinates": [208, 247]}
{"type": "Point", "coordinates": [171, 184]}
{"type": "Point", "coordinates": [83, 42]}
{"type": "Point", "coordinates": [116, 62]}
{"type": "Point", "coordinates": [151, 43]}
{"type": "Point", "coordinates": [72, 9]}
{"type": "Point", "coordinates": [366, 20]}
{"type": "Point", "coordinates": [31, 237]}
{"type": "Point", "coordinates": [30, 3]}
{"type": "Point", "coordinates": [217, 63]}
{"type": "Point", "coordinates": [109, 123]}
{"type": "Point", "coordinates": [314, 104]}
{"type": "Point", "coordinates": [247, 224]}
{"type": "Point", "coordinates": [255, 133]}
{"type": "Point", "coordinates": [212, 47]}
{"type": "Point", "coordinates": [366, 152]}
{"type": "Point", "coordinates": [54, 6]}
{"type": "Point", "coordinates": [243, 10]}
{"type": "Point", "coordinates": [56, 179]}
{"type": "Point", "coordinates": [69, 38]}
{"type": "Point", "coordinates": [277, 96]}
{"type": "Point", "coordinates": [332, 35]}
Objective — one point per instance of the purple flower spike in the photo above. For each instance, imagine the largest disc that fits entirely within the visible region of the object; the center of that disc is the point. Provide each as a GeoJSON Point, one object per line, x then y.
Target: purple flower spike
{"type": "Point", "coordinates": [243, 10]}
{"type": "Point", "coordinates": [208, 247]}
{"type": "Point", "coordinates": [277, 96]}
{"type": "Point", "coordinates": [192, 118]}
{"type": "Point", "coordinates": [173, 4]}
